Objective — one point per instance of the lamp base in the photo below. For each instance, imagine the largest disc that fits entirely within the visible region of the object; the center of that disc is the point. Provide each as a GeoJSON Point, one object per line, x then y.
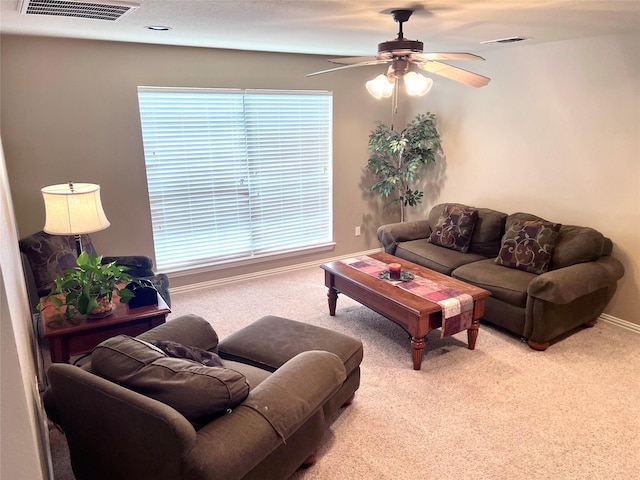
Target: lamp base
{"type": "Point", "coordinates": [78, 244]}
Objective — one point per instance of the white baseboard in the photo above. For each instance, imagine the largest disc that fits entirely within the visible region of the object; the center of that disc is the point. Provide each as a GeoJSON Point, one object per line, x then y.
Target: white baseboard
{"type": "Point", "coordinates": [291, 268]}
{"type": "Point", "coordinates": [263, 273]}
{"type": "Point", "coordinates": [634, 327]}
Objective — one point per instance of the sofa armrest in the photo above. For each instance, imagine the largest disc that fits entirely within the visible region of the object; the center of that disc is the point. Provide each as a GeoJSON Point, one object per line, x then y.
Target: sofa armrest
{"type": "Point", "coordinates": [272, 412]}
{"type": "Point", "coordinates": [389, 235]}
{"type": "Point", "coordinates": [613, 266]}
{"type": "Point", "coordinates": [188, 329]}
{"type": "Point", "coordinates": [566, 284]}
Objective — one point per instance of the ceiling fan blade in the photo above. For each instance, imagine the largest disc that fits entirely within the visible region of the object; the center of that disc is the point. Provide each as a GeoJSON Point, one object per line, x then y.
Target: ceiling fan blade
{"type": "Point", "coordinates": [445, 56]}
{"type": "Point", "coordinates": [361, 64]}
{"type": "Point", "coordinates": [352, 60]}
{"type": "Point", "coordinates": [455, 73]}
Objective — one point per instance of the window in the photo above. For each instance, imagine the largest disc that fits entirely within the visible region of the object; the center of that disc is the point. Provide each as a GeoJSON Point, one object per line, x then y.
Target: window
{"type": "Point", "coordinates": [236, 174]}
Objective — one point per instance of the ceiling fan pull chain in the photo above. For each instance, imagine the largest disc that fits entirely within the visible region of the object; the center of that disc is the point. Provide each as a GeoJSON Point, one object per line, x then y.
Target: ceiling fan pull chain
{"type": "Point", "coordinates": [394, 104]}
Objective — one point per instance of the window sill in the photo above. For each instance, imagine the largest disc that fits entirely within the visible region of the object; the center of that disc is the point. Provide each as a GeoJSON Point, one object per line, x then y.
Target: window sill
{"type": "Point", "coordinates": [269, 257]}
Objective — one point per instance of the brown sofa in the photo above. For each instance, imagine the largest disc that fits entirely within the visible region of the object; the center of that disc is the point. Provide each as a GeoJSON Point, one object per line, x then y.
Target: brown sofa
{"type": "Point", "coordinates": [568, 284]}
{"type": "Point", "coordinates": [147, 408]}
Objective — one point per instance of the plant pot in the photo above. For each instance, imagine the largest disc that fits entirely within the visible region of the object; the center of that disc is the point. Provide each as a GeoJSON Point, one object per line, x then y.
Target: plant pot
{"type": "Point", "coordinates": [104, 308]}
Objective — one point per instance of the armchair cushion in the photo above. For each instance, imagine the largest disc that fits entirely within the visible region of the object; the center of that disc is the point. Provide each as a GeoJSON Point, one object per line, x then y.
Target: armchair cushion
{"type": "Point", "coordinates": [454, 228]}
{"type": "Point", "coordinates": [198, 392]}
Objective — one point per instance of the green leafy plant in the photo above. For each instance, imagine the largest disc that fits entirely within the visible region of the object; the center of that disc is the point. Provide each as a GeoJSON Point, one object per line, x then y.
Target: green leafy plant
{"type": "Point", "coordinates": [397, 157]}
{"type": "Point", "coordinates": [80, 289]}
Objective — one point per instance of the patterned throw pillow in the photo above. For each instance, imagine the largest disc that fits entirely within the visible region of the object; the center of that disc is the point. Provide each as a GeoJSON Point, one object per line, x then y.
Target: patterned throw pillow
{"type": "Point", "coordinates": [455, 227]}
{"type": "Point", "coordinates": [178, 350]}
{"type": "Point", "coordinates": [528, 246]}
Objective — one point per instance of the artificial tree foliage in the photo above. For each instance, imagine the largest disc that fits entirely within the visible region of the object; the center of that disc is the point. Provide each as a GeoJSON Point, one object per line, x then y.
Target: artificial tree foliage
{"type": "Point", "coordinates": [397, 158]}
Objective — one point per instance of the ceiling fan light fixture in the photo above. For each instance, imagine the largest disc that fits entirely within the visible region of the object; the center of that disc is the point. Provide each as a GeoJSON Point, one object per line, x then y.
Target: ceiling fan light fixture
{"type": "Point", "coordinates": [416, 84]}
{"type": "Point", "coordinates": [380, 87]}
{"type": "Point", "coordinates": [401, 53]}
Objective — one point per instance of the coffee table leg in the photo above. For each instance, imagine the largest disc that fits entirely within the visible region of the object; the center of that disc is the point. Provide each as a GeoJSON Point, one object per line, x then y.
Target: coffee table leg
{"type": "Point", "coordinates": [332, 295]}
{"type": "Point", "coordinates": [472, 333]}
{"type": "Point", "coordinates": [418, 351]}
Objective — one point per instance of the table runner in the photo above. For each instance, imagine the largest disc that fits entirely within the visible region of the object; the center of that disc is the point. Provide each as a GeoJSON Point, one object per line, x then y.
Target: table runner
{"type": "Point", "coordinates": [457, 308]}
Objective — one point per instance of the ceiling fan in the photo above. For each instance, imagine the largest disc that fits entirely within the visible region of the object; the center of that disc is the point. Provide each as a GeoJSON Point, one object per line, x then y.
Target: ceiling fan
{"type": "Point", "coordinates": [401, 53]}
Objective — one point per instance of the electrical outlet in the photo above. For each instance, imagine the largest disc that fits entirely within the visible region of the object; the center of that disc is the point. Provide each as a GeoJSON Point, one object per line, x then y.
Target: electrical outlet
{"type": "Point", "coordinates": [357, 231]}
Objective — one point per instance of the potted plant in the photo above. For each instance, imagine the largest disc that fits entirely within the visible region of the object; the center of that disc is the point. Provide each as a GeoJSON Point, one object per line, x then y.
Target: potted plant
{"type": "Point", "coordinates": [88, 288]}
{"type": "Point", "coordinates": [397, 157]}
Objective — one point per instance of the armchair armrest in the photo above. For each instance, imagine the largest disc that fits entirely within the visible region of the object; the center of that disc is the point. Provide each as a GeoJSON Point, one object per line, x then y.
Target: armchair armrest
{"type": "Point", "coordinates": [569, 283]}
{"type": "Point", "coordinates": [272, 412]}
{"type": "Point", "coordinates": [104, 421]}
{"type": "Point", "coordinates": [389, 235]}
{"type": "Point", "coordinates": [298, 388]}
{"type": "Point", "coordinates": [138, 265]}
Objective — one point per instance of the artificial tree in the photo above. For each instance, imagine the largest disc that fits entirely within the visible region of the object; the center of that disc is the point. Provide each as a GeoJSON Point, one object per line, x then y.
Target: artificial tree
{"type": "Point", "coordinates": [397, 157]}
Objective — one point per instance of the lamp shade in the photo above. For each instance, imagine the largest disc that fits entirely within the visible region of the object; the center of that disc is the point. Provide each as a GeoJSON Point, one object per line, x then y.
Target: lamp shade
{"type": "Point", "coordinates": [417, 84]}
{"type": "Point", "coordinates": [380, 86]}
{"type": "Point", "coordinates": [73, 209]}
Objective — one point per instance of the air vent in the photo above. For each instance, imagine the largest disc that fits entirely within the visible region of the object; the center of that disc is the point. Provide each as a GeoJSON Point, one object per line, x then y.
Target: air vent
{"type": "Point", "coordinates": [111, 11]}
{"type": "Point", "coordinates": [506, 40]}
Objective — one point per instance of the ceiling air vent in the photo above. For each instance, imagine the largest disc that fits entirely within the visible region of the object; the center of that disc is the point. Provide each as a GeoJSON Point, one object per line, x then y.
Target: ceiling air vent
{"type": "Point", "coordinates": [506, 40]}
{"type": "Point", "coordinates": [111, 11]}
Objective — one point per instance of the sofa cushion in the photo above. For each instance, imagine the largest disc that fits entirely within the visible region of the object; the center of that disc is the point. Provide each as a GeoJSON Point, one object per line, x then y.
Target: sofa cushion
{"type": "Point", "coordinates": [577, 245]}
{"type": "Point", "coordinates": [528, 245]}
{"type": "Point", "coordinates": [198, 392]}
{"type": "Point", "coordinates": [443, 260]}
{"type": "Point", "coordinates": [454, 228]}
{"type": "Point", "coordinates": [488, 230]}
{"type": "Point", "coordinates": [508, 285]}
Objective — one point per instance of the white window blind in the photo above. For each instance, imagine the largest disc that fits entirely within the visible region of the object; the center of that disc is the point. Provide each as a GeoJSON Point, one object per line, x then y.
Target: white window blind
{"type": "Point", "coordinates": [236, 174]}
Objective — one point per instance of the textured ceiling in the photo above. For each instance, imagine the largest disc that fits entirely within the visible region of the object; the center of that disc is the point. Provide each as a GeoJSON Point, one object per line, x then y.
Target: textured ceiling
{"type": "Point", "coordinates": [338, 27]}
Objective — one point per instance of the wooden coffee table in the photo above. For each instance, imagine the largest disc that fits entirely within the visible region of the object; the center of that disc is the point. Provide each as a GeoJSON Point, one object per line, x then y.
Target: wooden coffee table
{"type": "Point", "coordinates": [78, 338]}
{"type": "Point", "coordinates": [417, 315]}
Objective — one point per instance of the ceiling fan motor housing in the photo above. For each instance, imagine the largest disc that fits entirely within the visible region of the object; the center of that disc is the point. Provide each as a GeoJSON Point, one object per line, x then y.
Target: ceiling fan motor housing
{"type": "Point", "coordinates": [399, 48]}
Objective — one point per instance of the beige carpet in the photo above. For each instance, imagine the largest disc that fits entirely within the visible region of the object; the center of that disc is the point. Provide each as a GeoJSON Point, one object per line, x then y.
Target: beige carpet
{"type": "Point", "coordinates": [502, 411]}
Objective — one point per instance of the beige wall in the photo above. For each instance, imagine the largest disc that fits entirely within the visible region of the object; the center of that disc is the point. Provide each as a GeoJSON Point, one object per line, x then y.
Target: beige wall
{"type": "Point", "coordinates": [22, 443]}
{"type": "Point", "coordinates": [69, 111]}
{"type": "Point", "coordinates": [556, 134]}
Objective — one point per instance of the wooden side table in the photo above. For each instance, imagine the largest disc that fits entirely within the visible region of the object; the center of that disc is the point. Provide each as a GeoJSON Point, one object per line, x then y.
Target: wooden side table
{"type": "Point", "coordinates": [74, 339]}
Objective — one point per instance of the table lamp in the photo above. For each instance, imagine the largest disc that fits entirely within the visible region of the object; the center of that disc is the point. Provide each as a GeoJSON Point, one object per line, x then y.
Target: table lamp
{"type": "Point", "coordinates": [73, 209]}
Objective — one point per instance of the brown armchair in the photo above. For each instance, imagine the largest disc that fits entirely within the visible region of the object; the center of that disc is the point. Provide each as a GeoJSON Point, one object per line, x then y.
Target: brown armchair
{"type": "Point", "coordinates": [121, 432]}
{"type": "Point", "coordinates": [46, 256]}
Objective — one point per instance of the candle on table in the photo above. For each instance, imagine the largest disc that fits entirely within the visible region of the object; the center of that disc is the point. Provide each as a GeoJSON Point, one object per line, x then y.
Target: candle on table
{"type": "Point", "coordinates": [394, 271]}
